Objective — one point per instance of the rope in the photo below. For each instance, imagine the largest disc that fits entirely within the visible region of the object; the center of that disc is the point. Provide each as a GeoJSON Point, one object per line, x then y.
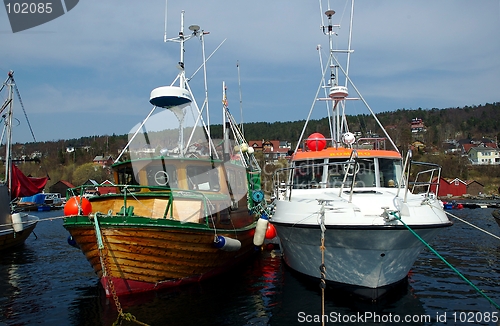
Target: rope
{"type": "Point", "coordinates": [105, 273]}
{"type": "Point", "coordinates": [447, 263]}
{"type": "Point", "coordinates": [40, 220]}
{"type": "Point", "coordinates": [474, 226]}
{"type": "Point", "coordinates": [322, 267]}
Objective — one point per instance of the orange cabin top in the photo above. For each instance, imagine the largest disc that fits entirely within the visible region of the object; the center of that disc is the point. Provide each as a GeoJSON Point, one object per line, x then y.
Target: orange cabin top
{"type": "Point", "coordinates": [332, 152]}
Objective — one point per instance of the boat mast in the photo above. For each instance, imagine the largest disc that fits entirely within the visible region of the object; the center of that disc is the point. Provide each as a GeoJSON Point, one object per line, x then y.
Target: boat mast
{"type": "Point", "coordinates": [225, 131]}
{"type": "Point", "coordinates": [180, 114]}
{"type": "Point", "coordinates": [8, 124]}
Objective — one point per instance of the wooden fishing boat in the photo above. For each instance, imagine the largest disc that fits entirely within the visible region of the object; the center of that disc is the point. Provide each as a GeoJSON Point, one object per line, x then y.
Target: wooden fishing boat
{"type": "Point", "coordinates": [345, 205]}
{"type": "Point", "coordinates": [15, 227]}
{"type": "Point", "coordinates": [177, 216]}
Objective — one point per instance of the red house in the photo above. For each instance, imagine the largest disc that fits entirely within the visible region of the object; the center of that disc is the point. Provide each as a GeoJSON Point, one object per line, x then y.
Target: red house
{"type": "Point", "coordinates": [107, 187]}
{"type": "Point", "coordinates": [450, 187]}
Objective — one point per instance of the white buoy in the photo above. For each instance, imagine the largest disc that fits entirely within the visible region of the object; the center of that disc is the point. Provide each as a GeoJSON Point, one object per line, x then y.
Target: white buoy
{"type": "Point", "coordinates": [226, 244]}
{"type": "Point", "coordinates": [250, 150]}
{"type": "Point", "coordinates": [17, 222]}
{"type": "Point", "coordinates": [260, 230]}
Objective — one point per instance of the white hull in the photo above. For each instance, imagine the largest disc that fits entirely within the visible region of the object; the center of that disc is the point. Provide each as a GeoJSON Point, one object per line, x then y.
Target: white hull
{"type": "Point", "coordinates": [361, 247]}
{"type": "Point", "coordinates": [11, 236]}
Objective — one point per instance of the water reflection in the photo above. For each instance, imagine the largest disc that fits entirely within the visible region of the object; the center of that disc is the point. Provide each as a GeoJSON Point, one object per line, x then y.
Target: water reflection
{"type": "Point", "coordinates": [48, 282]}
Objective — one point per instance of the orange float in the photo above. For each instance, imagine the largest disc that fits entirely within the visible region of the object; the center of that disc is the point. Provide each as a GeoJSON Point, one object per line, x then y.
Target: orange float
{"type": "Point", "coordinates": [316, 142]}
{"type": "Point", "coordinates": [270, 232]}
{"type": "Point", "coordinates": [76, 205]}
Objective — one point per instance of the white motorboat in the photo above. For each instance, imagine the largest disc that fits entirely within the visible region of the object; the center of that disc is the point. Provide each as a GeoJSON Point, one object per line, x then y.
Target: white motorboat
{"type": "Point", "coordinates": [345, 209]}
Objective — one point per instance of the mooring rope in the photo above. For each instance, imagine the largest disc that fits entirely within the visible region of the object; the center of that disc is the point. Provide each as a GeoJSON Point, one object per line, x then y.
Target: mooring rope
{"type": "Point", "coordinates": [322, 267]}
{"type": "Point", "coordinates": [447, 263]}
{"type": "Point", "coordinates": [106, 273]}
{"type": "Point", "coordinates": [474, 226]}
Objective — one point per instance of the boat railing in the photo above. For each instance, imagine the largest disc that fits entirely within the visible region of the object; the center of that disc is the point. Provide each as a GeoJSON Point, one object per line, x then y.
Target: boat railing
{"type": "Point", "coordinates": [285, 178]}
{"type": "Point", "coordinates": [351, 169]}
{"type": "Point", "coordinates": [370, 143]}
{"type": "Point", "coordinates": [361, 143]}
{"type": "Point", "coordinates": [426, 178]}
{"type": "Point", "coordinates": [129, 193]}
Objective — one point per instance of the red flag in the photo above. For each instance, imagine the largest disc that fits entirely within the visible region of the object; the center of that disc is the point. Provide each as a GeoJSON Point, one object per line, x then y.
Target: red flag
{"type": "Point", "coordinates": [23, 186]}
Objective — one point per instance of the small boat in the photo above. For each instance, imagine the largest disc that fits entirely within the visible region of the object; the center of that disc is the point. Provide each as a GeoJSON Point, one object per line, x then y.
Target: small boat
{"type": "Point", "coordinates": [15, 227]}
{"type": "Point", "coordinates": [452, 205]}
{"type": "Point", "coordinates": [344, 207]}
{"type": "Point", "coordinates": [31, 203]}
{"type": "Point", "coordinates": [178, 215]}
{"type": "Point", "coordinates": [53, 199]}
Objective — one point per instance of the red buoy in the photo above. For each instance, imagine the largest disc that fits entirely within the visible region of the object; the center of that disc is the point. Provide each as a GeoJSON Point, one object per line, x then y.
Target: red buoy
{"type": "Point", "coordinates": [316, 142]}
{"type": "Point", "coordinates": [270, 232]}
{"type": "Point", "coordinates": [76, 205]}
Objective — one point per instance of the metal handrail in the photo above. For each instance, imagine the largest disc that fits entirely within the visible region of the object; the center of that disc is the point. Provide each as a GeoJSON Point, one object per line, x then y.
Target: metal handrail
{"type": "Point", "coordinates": [289, 185]}
{"type": "Point", "coordinates": [125, 189]}
{"type": "Point", "coordinates": [352, 159]}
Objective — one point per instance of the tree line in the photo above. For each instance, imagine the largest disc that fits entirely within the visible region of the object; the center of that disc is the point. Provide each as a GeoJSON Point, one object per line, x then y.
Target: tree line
{"type": "Point", "coordinates": [71, 159]}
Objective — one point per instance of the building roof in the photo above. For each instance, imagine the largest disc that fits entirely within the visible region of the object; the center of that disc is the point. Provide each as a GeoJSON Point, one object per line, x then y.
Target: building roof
{"type": "Point", "coordinates": [66, 183]}
{"type": "Point", "coordinates": [469, 182]}
{"type": "Point", "coordinates": [102, 158]}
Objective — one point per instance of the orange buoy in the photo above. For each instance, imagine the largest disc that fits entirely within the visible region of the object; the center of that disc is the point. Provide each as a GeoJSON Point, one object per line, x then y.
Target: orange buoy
{"type": "Point", "coordinates": [316, 142]}
{"type": "Point", "coordinates": [76, 205]}
{"type": "Point", "coordinates": [270, 232]}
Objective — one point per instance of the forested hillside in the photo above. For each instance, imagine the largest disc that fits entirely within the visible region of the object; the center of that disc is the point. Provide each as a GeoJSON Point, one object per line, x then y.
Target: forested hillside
{"type": "Point", "coordinates": [441, 124]}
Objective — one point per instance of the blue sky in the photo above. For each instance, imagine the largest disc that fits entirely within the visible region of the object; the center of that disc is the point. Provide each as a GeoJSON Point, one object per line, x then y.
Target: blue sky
{"type": "Point", "coordinates": [90, 71]}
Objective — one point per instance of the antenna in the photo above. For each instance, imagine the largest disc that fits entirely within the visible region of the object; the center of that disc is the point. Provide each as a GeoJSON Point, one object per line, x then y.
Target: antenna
{"type": "Point", "coordinates": [241, 101]}
{"type": "Point", "coordinates": [165, 34]}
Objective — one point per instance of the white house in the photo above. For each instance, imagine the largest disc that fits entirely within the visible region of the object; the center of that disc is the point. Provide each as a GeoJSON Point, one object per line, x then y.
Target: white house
{"type": "Point", "coordinates": [482, 155]}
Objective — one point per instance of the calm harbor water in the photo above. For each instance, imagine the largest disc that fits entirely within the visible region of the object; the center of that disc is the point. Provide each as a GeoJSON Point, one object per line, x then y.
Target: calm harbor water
{"type": "Point", "coordinates": [48, 282]}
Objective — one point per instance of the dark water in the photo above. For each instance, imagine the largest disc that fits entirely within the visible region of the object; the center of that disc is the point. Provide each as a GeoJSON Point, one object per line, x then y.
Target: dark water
{"type": "Point", "coordinates": [48, 282]}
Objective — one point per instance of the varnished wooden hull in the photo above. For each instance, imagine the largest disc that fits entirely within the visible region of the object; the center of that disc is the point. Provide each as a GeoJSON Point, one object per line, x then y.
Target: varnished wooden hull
{"type": "Point", "coordinates": [143, 258]}
{"type": "Point", "coordinates": [155, 236]}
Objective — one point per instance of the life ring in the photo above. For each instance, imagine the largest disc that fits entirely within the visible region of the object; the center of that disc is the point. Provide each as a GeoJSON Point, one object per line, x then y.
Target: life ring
{"type": "Point", "coordinates": [161, 178]}
{"type": "Point", "coordinates": [257, 196]}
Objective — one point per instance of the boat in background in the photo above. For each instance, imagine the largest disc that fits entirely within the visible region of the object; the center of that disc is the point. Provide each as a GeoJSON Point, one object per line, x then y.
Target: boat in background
{"type": "Point", "coordinates": [178, 215]}
{"type": "Point", "coordinates": [32, 203]}
{"type": "Point", "coordinates": [15, 227]}
{"type": "Point", "coordinates": [53, 200]}
{"type": "Point", "coordinates": [344, 207]}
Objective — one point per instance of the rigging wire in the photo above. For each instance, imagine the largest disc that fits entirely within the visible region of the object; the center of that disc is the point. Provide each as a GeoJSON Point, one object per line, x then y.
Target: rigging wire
{"type": "Point", "coordinates": [22, 106]}
{"type": "Point", "coordinates": [474, 226]}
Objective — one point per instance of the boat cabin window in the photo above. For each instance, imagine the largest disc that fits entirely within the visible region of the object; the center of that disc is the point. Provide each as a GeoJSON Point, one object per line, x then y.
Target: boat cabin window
{"type": "Point", "coordinates": [308, 174]}
{"type": "Point", "coordinates": [237, 180]}
{"type": "Point", "coordinates": [125, 176]}
{"type": "Point", "coordinates": [390, 172]}
{"type": "Point", "coordinates": [364, 169]}
{"type": "Point", "coordinates": [202, 177]}
{"type": "Point", "coordinates": [162, 175]}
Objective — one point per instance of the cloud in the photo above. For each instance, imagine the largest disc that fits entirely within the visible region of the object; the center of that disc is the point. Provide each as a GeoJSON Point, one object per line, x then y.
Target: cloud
{"type": "Point", "coordinates": [104, 58]}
